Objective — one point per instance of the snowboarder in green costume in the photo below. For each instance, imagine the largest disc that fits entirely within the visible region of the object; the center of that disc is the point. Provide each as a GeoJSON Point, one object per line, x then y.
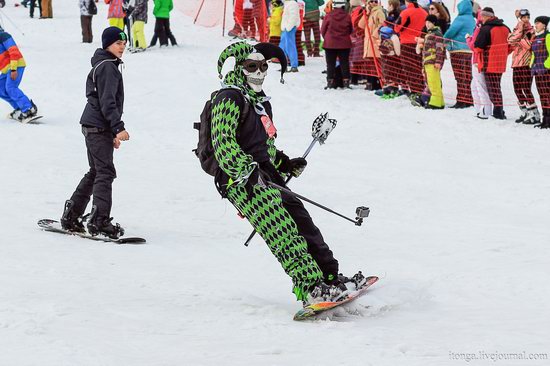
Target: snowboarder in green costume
{"type": "Point", "coordinates": [243, 138]}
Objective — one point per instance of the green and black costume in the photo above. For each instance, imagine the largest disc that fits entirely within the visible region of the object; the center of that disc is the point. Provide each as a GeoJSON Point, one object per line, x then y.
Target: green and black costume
{"type": "Point", "coordinates": [243, 146]}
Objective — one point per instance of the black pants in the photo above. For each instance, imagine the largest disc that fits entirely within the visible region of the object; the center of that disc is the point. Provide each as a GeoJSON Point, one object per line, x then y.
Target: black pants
{"type": "Point", "coordinates": [343, 56]}
{"type": "Point", "coordinates": [523, 81]}
{"type": "Point", "coordinates": [33, 5]}
{"type": "Point", "coordinates": [99, 179]}
{"type": "Point", "coordinates": [316, 245]}
{"type": "Point", "coordinates": [86, 24]}
{"type": "Point", "coordinates": [163, 32]}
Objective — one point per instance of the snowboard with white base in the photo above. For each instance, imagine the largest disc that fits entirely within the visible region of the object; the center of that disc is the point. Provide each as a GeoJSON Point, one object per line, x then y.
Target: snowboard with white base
{"type": "Point", "coordinates": [31, 120]}
{"type": "Point", "coordinates": [55, 227]}
{"type": "Point", "coordinates": [311, 312]}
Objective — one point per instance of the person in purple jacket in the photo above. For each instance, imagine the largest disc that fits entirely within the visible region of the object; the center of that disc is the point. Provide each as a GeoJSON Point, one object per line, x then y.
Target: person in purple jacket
{"type": "Point", "coordinates": [336, 31]}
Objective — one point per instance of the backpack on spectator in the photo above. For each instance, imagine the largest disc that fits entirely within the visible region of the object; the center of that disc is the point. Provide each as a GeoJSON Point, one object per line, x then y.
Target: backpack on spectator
{"type": "Point", "coordinates": [92, 8]}
{"type": "Point", "coordinates": [205, 150]}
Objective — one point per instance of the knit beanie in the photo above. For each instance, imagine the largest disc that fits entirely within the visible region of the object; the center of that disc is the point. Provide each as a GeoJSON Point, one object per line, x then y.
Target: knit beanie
{"type": "Point", "coordinates": [488, 12]}
{"type": "Point", "coordinates": [111, 35]}
{"type": "Point", "coordinates": [543, 19]}
{"type": "Point", "coordinates": [432, 19]}
{"type": "Point", "coordinates": [339, 3]}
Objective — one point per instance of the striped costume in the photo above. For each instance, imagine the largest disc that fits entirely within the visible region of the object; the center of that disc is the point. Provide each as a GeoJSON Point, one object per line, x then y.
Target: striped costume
{"type": "Point", "coordinates": [12, 66]}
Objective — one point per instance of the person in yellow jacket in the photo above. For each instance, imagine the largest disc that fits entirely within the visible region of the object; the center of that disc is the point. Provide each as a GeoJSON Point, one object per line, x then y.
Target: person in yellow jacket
{"type": "Point", "coordinates": [275, 22]}
{"type": "Point", "coordinates": [433, 52]}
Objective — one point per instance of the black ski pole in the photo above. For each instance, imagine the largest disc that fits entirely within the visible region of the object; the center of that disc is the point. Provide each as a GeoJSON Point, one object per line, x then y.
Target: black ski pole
{"type": "Point", "coordinates": [362, 211]}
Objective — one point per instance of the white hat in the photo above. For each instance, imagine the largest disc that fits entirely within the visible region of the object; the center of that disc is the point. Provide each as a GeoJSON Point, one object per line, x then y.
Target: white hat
{"type": "Point", "coordinates": [339, 3]}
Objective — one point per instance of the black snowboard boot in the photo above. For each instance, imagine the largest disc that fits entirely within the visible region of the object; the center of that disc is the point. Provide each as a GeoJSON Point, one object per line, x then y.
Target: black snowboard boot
{"type": "Point", "coordinates": [102, 225]}
{"type": "Point", "coordinates": [346, 283]}
{"type": "Point", "coordinates": [323, 293]}
{"type": "Point", "coordinates": [358, 280]}
{"type": "Point", "coordinates": [545, 120]}
{"type": "Point", "coordinates": [346, 83]}
{"type": "Point", "coordinates": [498, 113]}
{"type": "Point", "coordinates": [330, 84]}
{"type": "Point", "coordinates": [71, 221]}
{"type": "Point", "coordinates": [523, 116]}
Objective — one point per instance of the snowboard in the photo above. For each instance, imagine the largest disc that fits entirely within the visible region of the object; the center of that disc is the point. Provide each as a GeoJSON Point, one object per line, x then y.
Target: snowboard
{"type": "Point", "coordinates": [32, 120]}
{"type": "Point", "coordinates": [310, 312]}
{"type": "Point", "coordinates": [55, 227]}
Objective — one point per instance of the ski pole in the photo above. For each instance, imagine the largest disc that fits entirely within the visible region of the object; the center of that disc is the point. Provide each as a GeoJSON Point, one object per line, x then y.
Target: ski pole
{"type": "Point", "coordinates": [361, 211]}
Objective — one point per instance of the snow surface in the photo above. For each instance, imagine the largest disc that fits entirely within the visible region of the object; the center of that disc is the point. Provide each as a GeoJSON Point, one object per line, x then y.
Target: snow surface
{"type": "Point", "coordinates": [458, 233]}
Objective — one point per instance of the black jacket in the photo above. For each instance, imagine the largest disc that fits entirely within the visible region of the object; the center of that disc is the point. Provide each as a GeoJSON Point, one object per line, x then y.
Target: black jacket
{"type": "Point", "coordinates": [105, 93]}
{"type": "Point", "coordinates": [251, 137]}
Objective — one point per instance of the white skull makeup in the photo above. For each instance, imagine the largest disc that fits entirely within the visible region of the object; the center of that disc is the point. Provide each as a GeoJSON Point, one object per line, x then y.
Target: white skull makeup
{"type": "Point", "coordinates": [255, 71]}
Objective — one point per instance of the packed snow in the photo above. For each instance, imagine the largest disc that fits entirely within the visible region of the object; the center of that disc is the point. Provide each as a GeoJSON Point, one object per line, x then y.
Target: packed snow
{"type": "Point", "coordinates": [458, 231]}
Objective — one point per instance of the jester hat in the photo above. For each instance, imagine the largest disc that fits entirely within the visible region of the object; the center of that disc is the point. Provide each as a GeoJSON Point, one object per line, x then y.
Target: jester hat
{"type": "Point", "coordinates": [241, 50]}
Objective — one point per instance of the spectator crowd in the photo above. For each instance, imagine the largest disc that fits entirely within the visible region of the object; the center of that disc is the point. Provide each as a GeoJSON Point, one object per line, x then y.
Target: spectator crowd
{"type": "Point", "coordinates": [400, 48]}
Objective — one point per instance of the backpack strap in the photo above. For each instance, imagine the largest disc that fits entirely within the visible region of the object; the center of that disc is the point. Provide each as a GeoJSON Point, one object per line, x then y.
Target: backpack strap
{"type": "Point", "coordinates": [246, 103]}
{"type": "Point", "coordinates": [95, 68]}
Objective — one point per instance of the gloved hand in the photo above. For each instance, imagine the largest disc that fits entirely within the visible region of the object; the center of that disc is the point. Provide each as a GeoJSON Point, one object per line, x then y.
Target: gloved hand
{"type": "Point", "coordinates": [257, 177]}
{"type": "Point", "coordinates": [294, 167]}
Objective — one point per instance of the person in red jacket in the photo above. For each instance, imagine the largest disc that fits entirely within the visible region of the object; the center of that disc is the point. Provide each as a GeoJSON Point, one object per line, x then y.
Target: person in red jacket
{"type": "Point", "coordinates": [409, 27]}
{"type": "Point", "coordinates": [492, 44]}
{"type": "Point", "coordinates": [336, 31]}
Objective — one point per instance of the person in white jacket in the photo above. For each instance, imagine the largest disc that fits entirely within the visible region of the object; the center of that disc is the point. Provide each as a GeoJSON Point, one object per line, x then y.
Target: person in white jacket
{"type": "Point", "coordinates": [87, 10]}
{"type": "Point", "coordinates": [289, 24]}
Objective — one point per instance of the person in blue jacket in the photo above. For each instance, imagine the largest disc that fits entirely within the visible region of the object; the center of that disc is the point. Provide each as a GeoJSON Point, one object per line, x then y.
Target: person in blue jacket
{"type": "Point", "coordinates": [461, 55]}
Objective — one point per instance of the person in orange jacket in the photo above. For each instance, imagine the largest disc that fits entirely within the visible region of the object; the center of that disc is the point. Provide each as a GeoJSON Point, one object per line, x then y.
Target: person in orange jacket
{"type": "Point", "coordinates": [492, 44]}
{"type": "Point", "coordinates": [409, 27]}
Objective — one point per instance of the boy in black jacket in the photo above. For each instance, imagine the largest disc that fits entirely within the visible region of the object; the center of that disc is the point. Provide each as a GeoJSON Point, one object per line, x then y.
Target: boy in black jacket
{"type": "Point", "coordinates": [103, 130]}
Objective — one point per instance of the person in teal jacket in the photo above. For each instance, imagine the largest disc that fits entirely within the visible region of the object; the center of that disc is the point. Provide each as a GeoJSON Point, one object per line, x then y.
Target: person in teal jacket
{"type": "Point", "coordinates": [161, 11]}
{"type": "Point", "coordinates": [461, 55]}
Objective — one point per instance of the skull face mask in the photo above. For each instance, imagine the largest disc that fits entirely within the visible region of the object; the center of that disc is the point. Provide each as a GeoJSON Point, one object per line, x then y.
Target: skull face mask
{"type": "Point", "coordinates": [255, 70]}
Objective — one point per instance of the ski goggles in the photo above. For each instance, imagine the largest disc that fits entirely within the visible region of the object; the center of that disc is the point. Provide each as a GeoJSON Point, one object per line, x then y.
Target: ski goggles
{"type": "Point", "coordinates": [524, 12]}
{"type": "Point", "coordinates": [255, 65]}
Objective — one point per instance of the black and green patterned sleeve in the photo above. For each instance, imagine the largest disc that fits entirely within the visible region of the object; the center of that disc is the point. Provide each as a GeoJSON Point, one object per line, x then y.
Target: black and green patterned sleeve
{"type": "Point", "coordinates": [226, 111]}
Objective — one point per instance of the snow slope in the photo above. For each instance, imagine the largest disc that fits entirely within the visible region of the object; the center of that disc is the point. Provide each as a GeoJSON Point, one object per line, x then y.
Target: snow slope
{"type": "Point", "coordinates": [458, 232]}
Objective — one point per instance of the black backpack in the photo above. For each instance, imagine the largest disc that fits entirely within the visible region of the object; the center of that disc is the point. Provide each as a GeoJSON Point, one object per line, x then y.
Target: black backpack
{"type": "Point", "coordinates": [205, 150]}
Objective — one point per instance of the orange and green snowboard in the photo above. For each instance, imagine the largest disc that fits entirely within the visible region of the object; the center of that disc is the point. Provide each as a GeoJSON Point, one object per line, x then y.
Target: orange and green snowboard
{"type": "Point", "coordinates": [311, 311]}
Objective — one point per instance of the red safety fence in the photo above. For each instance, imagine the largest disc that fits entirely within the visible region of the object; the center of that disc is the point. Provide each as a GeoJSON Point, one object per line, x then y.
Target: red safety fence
{"type": "Point", "coordinates": [399, 65]}
{"type": "Point", "coordinates": [481, 77]}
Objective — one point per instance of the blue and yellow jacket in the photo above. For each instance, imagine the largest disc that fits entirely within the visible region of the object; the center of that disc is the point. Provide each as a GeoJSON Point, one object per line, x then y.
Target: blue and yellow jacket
{"type": "Point", "coordinates": [10, 56]}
